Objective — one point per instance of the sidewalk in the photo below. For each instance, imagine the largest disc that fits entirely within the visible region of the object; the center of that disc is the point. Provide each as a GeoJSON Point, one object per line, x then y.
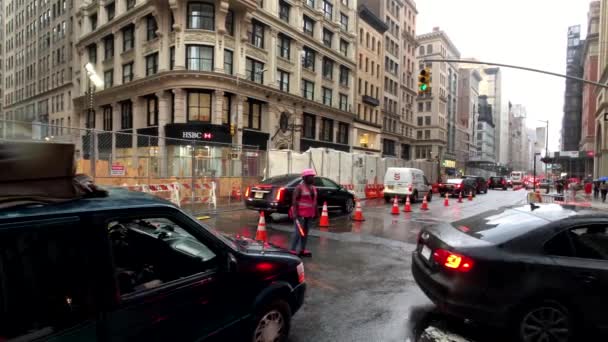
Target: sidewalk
{"type": "Point", "coordinates": [597, 204]}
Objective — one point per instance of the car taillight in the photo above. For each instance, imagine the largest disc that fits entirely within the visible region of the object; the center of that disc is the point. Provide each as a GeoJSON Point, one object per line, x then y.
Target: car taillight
{"type": "Point", "coordinates": [410, 188]}
{"type": "Point", "coordinates": [247, 191]}
{"type": "Point", "coordinates": [452, 261]}
{"type": "Point", "coordinates": [503, 182]}
{"type": "Point", "coordinates": [301, 276]}
{"type": "Point", "coordinates": [458, 186]}
{"type": "Point", "coordinates": [280, 194]}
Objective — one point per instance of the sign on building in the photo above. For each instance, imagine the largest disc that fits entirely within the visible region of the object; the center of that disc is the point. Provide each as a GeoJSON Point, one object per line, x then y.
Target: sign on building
{"type": "Point", "coordinates": [117, 170]}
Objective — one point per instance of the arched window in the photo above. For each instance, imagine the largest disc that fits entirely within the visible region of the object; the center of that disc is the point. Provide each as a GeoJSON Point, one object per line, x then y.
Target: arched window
{"type": "Point", "coordinates": [373, 43]}
{"type": "Point", "coordinates": [367, 40]}
{"type": "Point", "coordinates": [429, 49]}
{"type": "Point", "coordinates": [422, 51]}
{"type": "Point", "coordinates": [201, 15]}
{"type": "Point", "coordinates": [360, 36]}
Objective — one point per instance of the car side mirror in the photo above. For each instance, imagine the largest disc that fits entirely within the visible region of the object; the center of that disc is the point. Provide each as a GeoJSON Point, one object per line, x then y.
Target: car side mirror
{"type": "Point", "coordinates": [231, 263]}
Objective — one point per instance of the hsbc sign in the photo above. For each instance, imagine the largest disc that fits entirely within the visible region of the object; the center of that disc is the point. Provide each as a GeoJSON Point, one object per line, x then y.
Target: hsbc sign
{"type": "Point", "coordinates": [197, 135]}
{"type": "Point", "coordinates": [197, 132]}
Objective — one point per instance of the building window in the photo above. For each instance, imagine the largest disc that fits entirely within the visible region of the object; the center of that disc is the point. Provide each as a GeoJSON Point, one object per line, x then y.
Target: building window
{"type": "Point", "coordinates": [308, 89]}
{"type": "Point", "coordinates": [127, 73]}
{"type": "Point", "coordinates": [342, 133]}
{"type": "Point", "coordinates": [328, 68]}
{"type": "Point", "coordinates": [108, 47]}
{"type": "Point", "coordinates": [201, 15]}
{"type": "Point", "coordinates": [427, 120]}
{"type": "Point", "coordinates": [172, 57]}
{"type": "Point", "coordinates": [226, 105]}
{"type": "Point", "coordinates": [327, 96]}
{"type": "Point", "coordinates": [308, 58]}
{"type": "Point", "coordinates": [230, 23]}
{"type": "Point", "coordinates": [327, 130]}
{"type": "Point", "coordinates": [429, 49]}
{"type": "Point", "coordinates": [419, 135]}
{"type": "Point", "coordinates": [90, 123]}
{"type": "Point", "coordinates": [126, 115]}
{"type": "Point", "coordinates": [328, 36]}
{"type": "Point", "coordinates": [309, 26]}
{"type": "Point", "coordinates": [111, 11]}
{"type": "Point", "coordinates": [344, 102]}
{"type": "Point", "coordinates": [428, 106]}
{"type": "Point", "coordinates": [92, 49]}
{"type": "Point", "coordinates": [419, 121]}
{"type": "Point", "coordinates": [199, 106]}
{"type": "Point", "coordinates": [128, 38]}
{"type": "Point", "coordinates": [93, 20]}
{"type": "Point", "coordinates": [283, 79]}
{"type": "Point", "coordinates": [344, 76]}
{"type": "Point", "coordinates": [284, 45]}
{"type": "Point", "coordinates": [151, 27]}
{"type": "Point", "coordinates": [252, 114]}
{"type": "Point", "coordinates": [152, 110]}
{"type": "Point", "coordinates": [130, 4]}
{"type": "Point", "coordinates": [257, 34]}
{"type": "Point", "coordinates": [254, 70]}
{"type": "Point", "coordinates": [309, 128]}
{"type": "Point", "coordinates": [108, 78]}
{"type": "Point", "coordinates": [344, 47]}
{"type": "Point", "coordinates": [420, 107]}
{"type": "Point", "coordinates": [328, 10]}
{"type": "Point", "coordinates": [199, 57]}
{"type": "Point", "coordinates": [388, 147]}
{"type": "Point", "coordinates": [228, 62]}
{"type": "Point", "coordinates": [427, 134]}
{"type": "Point", "coordinates": [310, 3]}
{"type": "Point", "coordinates": [284, 9]}
{"type": "Point", "coordinates": [152, 64]}
{"type": "Point", "coordinates": [107, 118]}
{"type": "Point", "coordinates": [343, 21]}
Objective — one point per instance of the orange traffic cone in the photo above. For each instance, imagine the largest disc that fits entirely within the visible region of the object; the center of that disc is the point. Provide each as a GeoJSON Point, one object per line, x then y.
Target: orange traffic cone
{"type": "Point", "coordinates": [446, 202]}
{"type": "Point", "coordinates": [425, 204]}
{"type": "Point", "coordinates": [324, 221]}
{"type": "Point", "coordinates": [260, 235]}
{"type": "Point", "coordinates": [408, 205]}
{"type": "Point", "coordinates": [358, 213]}
{"type": "Point", "coordinates": [460, 197]}
{"type": "Point", "coordinates": [470, 195]}
{"type": "Point", "coordinates": [395, 210]}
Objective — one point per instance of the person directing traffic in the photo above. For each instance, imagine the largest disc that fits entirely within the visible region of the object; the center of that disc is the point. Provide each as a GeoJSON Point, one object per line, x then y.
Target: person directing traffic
{"type": "Point", "coordinates": [304, 211]}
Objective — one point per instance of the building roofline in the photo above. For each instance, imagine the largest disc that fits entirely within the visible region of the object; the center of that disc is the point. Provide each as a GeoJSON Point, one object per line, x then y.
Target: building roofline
{"type": "Point", "coordinates": [439, 34]}
{"type": "Point", "coordinates": [372, 19]}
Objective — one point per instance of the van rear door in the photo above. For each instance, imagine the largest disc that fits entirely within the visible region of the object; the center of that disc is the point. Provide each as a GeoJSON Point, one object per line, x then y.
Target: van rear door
{"type": "Point", "coordinates": [398, 180]}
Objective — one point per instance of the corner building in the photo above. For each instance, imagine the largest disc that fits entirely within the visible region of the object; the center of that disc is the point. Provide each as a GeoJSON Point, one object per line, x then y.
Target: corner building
{"type": "Point", "coordinates": [278, 74]}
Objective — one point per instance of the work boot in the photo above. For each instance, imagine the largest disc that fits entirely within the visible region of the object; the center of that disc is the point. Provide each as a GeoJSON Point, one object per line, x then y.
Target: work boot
{"type": "Point", "coordinates": [306, 253]}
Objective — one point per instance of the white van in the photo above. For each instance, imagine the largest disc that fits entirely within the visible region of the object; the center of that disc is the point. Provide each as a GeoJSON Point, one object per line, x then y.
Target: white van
{"type": "Point", "coordinates": [404, 181]}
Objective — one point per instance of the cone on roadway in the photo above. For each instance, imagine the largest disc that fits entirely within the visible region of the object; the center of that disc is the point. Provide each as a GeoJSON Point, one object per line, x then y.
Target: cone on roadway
{"type": "Point", "coordinates": [324, 221]}
{"type": "Point", "coordinates": [395, 210]}
{"type": "Point", "coordinates": [358, 213]}
{"type": "Point", "coordinates": [408, 205]}
{"type": "Point", "coordinates": [425, 204]}
{"type": "Point", "coordinates": [446, 202]}
{"type": "Point", "coordinates": [470, 195]}
{"type": "Point", "coordinates": [460, 197]}
{"type": "Point", "coordinates": [260, 234]}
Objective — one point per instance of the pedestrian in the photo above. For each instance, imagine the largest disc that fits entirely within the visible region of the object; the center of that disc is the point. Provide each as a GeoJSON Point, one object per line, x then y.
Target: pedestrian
{"type": "Point", "coordinates": [559, 185]}
{"type": "Point", "coordinates": [304, 211]}
{"type": "Point", "coordinates": [603, 190]}
{"type": "Point", "coordinates": [588, 187]}
{"type": "Point", "coordinates": [596, 189]}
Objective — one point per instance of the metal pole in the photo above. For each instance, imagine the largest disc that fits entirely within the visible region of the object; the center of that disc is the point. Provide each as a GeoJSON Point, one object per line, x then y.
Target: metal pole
{"type": "Point", "coordinates": [534, 179]}
{"type": "Point", "coordinates": [547, 149]}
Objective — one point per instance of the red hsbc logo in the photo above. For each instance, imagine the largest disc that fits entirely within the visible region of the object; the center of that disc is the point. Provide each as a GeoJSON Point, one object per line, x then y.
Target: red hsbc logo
{"type": "Point", "coordinates": [397, 176]}
{"type": "Point", "coordinates": [197, 135]}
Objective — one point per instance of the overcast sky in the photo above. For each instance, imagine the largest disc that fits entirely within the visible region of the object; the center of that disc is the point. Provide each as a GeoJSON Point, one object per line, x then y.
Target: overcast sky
{"type": "Point", "coordinates": [530, 33]}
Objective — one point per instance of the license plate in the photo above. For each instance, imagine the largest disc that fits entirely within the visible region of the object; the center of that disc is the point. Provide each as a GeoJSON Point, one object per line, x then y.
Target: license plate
{"type": "Point", "coordinates": [390, 187]}
{"type": "Point", "coordinates": [259, 195]}
{"type": "Point", "coordinates": [425, 252]}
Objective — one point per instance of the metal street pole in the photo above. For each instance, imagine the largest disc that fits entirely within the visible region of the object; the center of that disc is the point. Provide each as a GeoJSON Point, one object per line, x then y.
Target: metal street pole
{"type": "Point", "coordinates": [546, 143]}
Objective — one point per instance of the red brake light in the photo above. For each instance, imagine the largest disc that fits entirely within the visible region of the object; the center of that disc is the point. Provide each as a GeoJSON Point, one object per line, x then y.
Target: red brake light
{"type": "Point", "coordinates": [459, 186]}
{"type": "Point", "coordinates": [301, 276]}
{"type": "Point", "coordinates": [264, 266]}
{"type": "Point", "coordinates": [453, 261]}
{"type": "Point", "coordinates": [247, 191]}
{"type": "Point", "coordinates": [280, 194]}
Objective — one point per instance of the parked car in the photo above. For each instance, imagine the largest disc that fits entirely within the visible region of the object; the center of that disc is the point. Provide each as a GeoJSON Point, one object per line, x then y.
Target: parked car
{"type": "Point", "coordinates": [497, 182]}
{"type": "Point", "coordinates": [455, 187]}
{"type": "Point", "coordinates": [274, 194]}
{"type": "Point", "coordinates": [482, 185]}
{"type": "Point", "coordinates": [401, 182]}
{"type": "Point", "coordinates": [539, 268]}
{"type": "Point", "coordinates": [133, 267]}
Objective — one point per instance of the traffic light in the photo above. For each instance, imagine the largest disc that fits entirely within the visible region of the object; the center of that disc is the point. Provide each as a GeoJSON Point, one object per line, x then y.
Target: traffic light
{"type": "Point", "coordinates": [232, 129]}
{"type": "Point", "coordinates": [424, 81]}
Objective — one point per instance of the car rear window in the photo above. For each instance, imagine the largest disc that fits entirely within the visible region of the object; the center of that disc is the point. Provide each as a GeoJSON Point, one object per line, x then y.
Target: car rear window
{"type": "Point", "coordinates": [280, 180]}
{"type": "Point", "coordinates": [454, 181]}
{"type": "Point", "coordinates": [498, 226]}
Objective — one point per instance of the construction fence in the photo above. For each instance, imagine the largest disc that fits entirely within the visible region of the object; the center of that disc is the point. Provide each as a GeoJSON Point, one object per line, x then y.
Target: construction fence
{"type": "Point", "coordinates": [357, 172]}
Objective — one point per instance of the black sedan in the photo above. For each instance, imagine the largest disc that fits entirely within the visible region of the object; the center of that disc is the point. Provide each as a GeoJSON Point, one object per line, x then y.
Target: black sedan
{"type": "Point", "coordinates": [482, 184]}
{"type": "Point", "coordinates": [497, 182]}
{"type": "Point", "coordinates": [458, 186]}
{"type": "Point", "coordinates": [273, 195]}
{"type": "Point", "coordinates": [541, 271]}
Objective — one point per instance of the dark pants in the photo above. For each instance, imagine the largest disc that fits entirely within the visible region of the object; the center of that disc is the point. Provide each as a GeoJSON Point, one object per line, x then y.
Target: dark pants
{"type": "Point", "coordinates": [604, 195]}
{"type": "Point", "coordinates": [298, 240]}
{"type": "Point", "coordinates": [596, 193]}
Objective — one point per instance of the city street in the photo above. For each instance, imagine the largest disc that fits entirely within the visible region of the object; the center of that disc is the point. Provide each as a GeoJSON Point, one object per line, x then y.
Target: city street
{"type": "Point", "coordinates": [360, 284]}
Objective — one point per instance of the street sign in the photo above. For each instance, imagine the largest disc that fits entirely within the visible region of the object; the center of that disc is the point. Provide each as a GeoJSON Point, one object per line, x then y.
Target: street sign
{"type": "Point", "coordinates": [570, 154]}
{"type": "Point", "coordinates": [117, 170]}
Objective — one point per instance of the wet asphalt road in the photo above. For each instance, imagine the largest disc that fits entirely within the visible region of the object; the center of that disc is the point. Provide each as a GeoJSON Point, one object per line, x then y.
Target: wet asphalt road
{"type": "Point", "coordinates": [360, 287]}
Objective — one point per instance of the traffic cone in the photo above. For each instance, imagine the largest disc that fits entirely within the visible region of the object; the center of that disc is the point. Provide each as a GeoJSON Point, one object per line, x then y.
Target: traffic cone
{"type": "Point", "coordinates": [324, 221]}
{"type": "Point", "coordinates": [425, 204]}
{"type": "Point", "coordinates": [446, 202]}
{"type": "Point", "coordinates": [408, 205]}
{"type": "Point", "coordinates": [358, 213]}
{"type": "Point", "coordinates": [395, 210]}
{"type": "Point", "coordinates": [460, 197]}
{"type": "Point", "coordinates": [470, 195]}
{"type": "Point", "coordinates": [260, 234]}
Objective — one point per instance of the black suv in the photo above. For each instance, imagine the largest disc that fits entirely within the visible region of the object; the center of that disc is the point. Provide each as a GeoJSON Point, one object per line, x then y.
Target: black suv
{"type": "Point", "coordinates": [133, 267]}
{"type": "Point", "coordinates": [497, 182]}
{"type": "Point", "coordinates": [482, 185]}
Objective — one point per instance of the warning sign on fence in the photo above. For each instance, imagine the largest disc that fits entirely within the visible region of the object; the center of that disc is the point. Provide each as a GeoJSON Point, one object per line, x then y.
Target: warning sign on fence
{"type": "Point", "coordinates": [117, 170]}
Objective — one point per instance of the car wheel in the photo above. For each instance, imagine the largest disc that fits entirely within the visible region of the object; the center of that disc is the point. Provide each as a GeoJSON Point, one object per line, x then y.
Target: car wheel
{"type": "Point", "coordinates": [415, 197]}
{"type": "Point", "coordinates": [349, 205]}
{"type": "Point", "coordinates": [272, 323]}
{"type": "Point", "coordinates": [546, 321]}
